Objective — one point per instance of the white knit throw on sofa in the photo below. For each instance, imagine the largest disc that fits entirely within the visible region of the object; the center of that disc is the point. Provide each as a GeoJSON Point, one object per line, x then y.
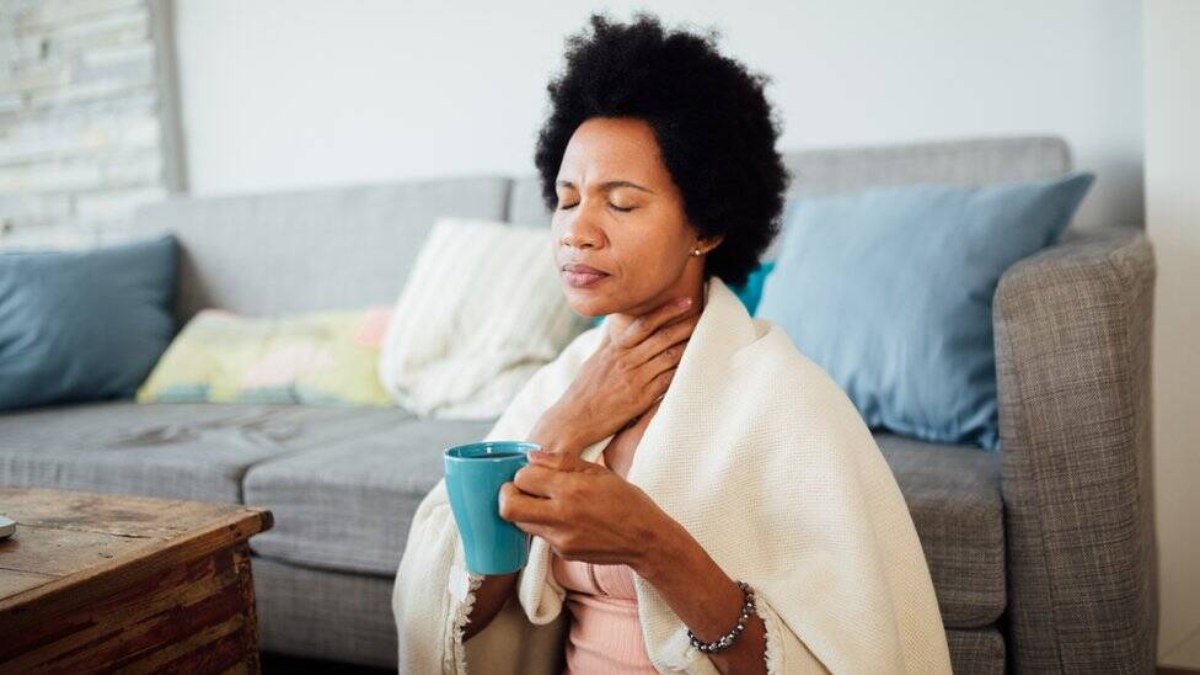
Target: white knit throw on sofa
{"type": "Point", "coordinates": [762, 458]}
{"type": "Point", "coordinates": [481, 311]}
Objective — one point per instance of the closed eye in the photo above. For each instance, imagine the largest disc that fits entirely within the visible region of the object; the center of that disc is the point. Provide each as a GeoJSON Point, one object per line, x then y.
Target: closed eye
{"type": "Point", "coordinates": [611, 206]}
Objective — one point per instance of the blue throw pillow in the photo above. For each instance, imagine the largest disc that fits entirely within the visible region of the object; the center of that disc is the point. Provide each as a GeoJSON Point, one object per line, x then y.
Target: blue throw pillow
{"type": "Point", "coordinates": [749, 293]}
{"type": "Point", "coordinates": [890, 290]}
{"type": "Point", "coordinates": [84, 325]}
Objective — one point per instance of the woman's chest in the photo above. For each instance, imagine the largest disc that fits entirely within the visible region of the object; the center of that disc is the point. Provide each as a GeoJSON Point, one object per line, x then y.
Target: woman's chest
{"type": "Point", "coordinates": [618, 454]}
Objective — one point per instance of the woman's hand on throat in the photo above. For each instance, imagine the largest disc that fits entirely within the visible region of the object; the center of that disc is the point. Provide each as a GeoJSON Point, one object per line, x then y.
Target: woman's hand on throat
{"type": "Point", "coordinates": [629, 371]}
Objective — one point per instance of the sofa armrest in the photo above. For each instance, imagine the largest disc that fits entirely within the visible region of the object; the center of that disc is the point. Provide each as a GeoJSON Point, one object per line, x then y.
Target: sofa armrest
{"type": "Point", "coordinates": [1072, 337]}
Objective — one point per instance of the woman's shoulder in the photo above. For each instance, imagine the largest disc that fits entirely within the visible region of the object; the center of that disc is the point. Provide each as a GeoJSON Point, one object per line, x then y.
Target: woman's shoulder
{"type": "Point", "coordinates": [792, 379]}
{"type": "Point", "coordinates": [773, 348]}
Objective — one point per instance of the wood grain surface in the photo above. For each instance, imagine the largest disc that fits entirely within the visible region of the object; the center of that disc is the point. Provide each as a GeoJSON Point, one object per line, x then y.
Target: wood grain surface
{"type": "Point", "coordinates": [94, 582]}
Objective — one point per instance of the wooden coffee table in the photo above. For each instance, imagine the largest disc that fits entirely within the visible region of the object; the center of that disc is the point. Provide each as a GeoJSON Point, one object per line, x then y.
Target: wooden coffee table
{"type": "Point", "coordinates": [96, 582]}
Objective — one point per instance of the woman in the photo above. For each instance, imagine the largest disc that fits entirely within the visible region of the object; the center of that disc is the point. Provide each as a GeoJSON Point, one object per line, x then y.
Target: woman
{"type": "Point", "coordinates": [706, 499]}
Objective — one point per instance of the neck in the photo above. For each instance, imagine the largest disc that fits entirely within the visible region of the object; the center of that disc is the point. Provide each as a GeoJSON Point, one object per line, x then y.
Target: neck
{"type": "Point", "coordinates": [619, 321]}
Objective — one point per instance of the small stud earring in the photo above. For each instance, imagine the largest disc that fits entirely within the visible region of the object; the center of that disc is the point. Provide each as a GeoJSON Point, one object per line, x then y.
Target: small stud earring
{"type": "Point", "coordinates": [696, 251]}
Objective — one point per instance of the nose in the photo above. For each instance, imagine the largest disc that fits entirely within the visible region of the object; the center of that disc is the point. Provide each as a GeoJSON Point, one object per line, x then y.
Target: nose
{"type": "Point", "coordinates": [579, 230]}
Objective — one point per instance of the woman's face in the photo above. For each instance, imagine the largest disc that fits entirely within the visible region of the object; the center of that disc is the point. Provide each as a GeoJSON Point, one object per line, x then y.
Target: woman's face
{"type": "Point", "coordinates": [619, 212]}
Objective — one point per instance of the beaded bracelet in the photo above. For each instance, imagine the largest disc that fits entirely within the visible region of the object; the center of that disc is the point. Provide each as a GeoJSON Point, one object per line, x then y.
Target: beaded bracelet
{"type": "Point", "coordinates": [726, 641]}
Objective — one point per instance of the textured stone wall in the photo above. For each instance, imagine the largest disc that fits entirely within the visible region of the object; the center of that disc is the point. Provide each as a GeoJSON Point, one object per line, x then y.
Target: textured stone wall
{"type": "Point", "coordinates": [86, 131]}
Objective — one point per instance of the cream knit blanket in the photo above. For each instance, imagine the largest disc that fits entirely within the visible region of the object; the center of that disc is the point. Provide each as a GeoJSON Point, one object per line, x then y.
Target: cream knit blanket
{"type": "Point", "coordinates": [765, 461]}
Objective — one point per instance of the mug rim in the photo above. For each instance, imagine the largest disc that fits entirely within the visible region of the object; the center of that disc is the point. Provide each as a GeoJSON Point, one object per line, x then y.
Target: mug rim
{"type": "Point", "coordinates": [521, 447]}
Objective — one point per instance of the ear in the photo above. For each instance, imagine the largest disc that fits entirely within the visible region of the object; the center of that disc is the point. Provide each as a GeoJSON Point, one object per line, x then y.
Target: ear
{"type": "Point", "coordinates": [712, 242]}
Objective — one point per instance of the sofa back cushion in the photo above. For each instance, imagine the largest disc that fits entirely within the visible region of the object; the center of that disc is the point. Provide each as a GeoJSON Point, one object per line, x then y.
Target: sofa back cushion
{"type": "Point", "coordinates": [310, 250]}
{"type": "Point", "coordinates": [83, 325]}
{"type": "Point", "coordinates": [889, 290]}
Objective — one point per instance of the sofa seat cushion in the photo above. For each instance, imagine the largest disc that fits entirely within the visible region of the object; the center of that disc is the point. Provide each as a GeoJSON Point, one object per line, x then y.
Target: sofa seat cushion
{"type": "Point", "coordinates": [348, 505]}
{"type": "Point", "coordinates": [977, 651]}
{"type": "Point", "coordinates": [953, 494]}
{"type": "Point", "coordinates": [172, 450]}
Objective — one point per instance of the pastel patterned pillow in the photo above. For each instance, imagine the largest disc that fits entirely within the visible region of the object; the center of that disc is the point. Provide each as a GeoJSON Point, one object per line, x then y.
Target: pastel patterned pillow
{"type": "Point", "coordinates": [321, 358]}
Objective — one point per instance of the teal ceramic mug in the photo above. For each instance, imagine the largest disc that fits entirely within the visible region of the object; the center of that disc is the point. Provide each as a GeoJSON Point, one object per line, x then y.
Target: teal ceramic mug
{"type": "Point", "coordinates": [474, 474]}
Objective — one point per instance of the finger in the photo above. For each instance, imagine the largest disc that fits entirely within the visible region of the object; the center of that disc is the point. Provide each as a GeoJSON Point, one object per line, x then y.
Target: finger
{"type": "Point", "coordinates": [669, 358]}
{"type": "Point", "coordinates": [658, 386]}
{"type": "Point", "coordinates": [537, 529]}
{"type": "Point", "coordinates": [666, 337]}
{"type": "Point", "coordinates": [644, 326]}
{"type": "Point", "coordinates": [516, 506]}
{"type": "Point", "coordinates": [536, 480]}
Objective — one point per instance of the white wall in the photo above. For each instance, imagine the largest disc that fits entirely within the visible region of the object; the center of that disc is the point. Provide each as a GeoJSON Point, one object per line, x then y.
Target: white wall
{"type": "Point", "coordinates": [1173, 222]}
{"type": "Point", "coordinates": [294, 93]}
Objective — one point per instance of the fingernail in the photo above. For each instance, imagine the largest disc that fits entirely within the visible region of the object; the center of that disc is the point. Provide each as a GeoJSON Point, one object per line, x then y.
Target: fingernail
{"type": "Point", "coordinates": [683, 302]}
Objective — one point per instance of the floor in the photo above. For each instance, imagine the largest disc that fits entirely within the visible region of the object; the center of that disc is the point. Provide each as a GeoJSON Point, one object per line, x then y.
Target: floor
{"type": "Point", "coordinates": [278, 664]}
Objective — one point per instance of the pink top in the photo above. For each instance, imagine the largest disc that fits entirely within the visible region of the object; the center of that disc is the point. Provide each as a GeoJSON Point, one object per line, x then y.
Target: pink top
{"type": "Point", "coordinates": [605, 635]}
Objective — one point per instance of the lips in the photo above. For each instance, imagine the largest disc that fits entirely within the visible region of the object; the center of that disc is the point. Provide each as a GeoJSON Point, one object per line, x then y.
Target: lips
{"type": "Point", "coordinates": [582, 269]}
{"type": "Point", "coordinates": [582, 276]}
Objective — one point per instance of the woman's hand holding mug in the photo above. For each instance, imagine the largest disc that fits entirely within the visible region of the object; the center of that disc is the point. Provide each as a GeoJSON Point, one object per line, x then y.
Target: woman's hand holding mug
{"type": "Point", "coordinates": [585, 511]}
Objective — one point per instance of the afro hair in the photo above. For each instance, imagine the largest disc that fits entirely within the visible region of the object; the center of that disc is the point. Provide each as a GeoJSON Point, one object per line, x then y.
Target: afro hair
{"type": "Point", "coordinates": [714, 127]}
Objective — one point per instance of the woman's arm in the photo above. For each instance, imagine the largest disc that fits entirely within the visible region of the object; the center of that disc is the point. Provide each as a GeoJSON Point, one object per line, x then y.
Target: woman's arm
{"type": "Point", "coordinates": [586, 512]}
{"type": "Point", "coordinates": [703, 596]}
{"type": "Point", "coordinates": [489, 600]}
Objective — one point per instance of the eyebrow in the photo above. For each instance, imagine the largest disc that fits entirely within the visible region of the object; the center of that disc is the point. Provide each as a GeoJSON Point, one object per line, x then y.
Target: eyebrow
{"type": "Point", "coordinates": [610, 185]}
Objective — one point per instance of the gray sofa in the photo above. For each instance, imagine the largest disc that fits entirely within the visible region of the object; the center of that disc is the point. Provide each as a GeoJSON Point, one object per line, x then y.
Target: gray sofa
{"type": "Point", "coordinates": [1042, 554]}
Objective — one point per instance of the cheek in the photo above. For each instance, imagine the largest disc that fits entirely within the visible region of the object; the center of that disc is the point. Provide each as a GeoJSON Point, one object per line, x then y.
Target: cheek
{"type": "Point", "coordinates": [650, 238]}
{"type": "Point", "coordinates": [661, 245]}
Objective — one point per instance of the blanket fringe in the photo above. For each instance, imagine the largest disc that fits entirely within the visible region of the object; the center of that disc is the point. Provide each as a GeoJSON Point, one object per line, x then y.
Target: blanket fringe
{"type": "Point", "coordinates": [456, 658]}
{"type": "Point", "coordinates": [774, 651]}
